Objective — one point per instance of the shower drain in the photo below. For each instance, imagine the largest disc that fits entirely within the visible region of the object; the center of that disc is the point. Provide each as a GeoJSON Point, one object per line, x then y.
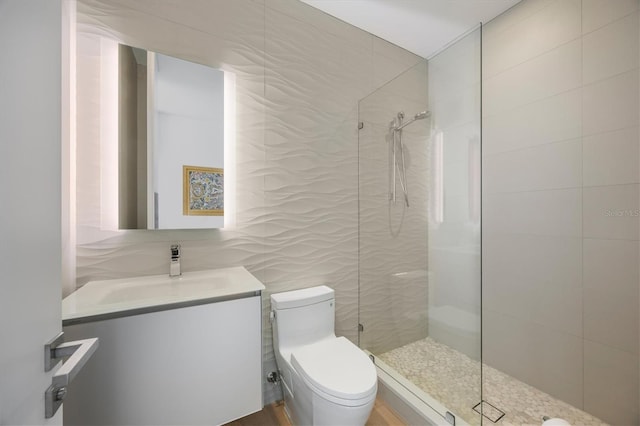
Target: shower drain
{"type": "Point", "coordinates": [489, 411]}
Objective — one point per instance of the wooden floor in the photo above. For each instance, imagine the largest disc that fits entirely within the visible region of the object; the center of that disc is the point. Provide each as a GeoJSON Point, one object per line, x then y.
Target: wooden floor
{"type": "Point", "coordinates": [274, 415]}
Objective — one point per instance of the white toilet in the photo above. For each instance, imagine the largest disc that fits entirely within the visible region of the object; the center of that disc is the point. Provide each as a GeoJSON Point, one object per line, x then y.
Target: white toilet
{"type": "Point", "coordinates": [327, 380]}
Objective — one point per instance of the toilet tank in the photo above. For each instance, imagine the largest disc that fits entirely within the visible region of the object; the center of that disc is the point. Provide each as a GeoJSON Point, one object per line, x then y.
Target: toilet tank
{"type": "Point", "coordinates": [303, 316]}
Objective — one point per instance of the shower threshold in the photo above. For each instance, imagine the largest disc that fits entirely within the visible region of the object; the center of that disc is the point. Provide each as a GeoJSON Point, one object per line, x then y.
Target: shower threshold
{"type": "Point", "coordinates": [412, 403]}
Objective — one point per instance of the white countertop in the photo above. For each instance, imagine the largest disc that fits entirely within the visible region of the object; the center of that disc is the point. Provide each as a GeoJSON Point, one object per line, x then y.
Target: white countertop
{"type": "Point", "coordinates": [127, 296]}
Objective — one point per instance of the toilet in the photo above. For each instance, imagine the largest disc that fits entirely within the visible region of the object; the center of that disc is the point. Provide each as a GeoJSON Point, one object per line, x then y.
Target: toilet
{"type": "Point", "coordinates": [327, 380]}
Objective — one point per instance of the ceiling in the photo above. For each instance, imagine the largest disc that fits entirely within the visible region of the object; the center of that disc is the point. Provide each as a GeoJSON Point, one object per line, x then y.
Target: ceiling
{"type": "Point", "coordinates": [420, 26]}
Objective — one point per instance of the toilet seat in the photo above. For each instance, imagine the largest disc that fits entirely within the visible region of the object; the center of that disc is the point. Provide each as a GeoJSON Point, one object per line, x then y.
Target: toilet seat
{"type": "Point", "coordinates": [337, 370]}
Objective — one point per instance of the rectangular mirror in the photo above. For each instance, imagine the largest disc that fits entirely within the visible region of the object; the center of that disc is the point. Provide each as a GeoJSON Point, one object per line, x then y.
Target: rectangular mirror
{"type": "Point", "coordinates": [171, 132]}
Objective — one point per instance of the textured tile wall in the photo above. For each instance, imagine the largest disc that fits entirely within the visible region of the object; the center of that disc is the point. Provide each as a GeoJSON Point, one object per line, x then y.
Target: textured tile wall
{"type": "Point", "coordinates": [560, 222]}
{"type": "Point", "coordinates": [393, 237]}
{"type": "Point", "coordinates": [299, 76]}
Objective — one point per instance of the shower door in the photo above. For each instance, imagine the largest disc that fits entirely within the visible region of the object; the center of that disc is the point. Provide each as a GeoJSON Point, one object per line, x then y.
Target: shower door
{"type": "Point", "coordinates": [419, 230]}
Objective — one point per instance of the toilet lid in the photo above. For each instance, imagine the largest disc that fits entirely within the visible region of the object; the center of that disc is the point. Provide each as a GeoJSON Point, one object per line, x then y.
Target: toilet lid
{"type": "Point", "coordinates": [337, 367]}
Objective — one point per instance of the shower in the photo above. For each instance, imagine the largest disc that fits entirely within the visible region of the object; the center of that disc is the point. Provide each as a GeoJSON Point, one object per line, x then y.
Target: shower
{"type": "Point", "coordinates": [397, 152]}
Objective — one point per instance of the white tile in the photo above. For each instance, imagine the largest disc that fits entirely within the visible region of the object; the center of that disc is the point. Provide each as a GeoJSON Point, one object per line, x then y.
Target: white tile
{"type": "Point", "coordinates": [611, 384]}
{"type": "Point", "coordinates": [611, 158]}
{"type": "Point", "coordinates": [554, 72]}
{"type": "Point", "coordinates": [596, 13]}
{"type": "Point", "coordinates": [550, 213]}
{"type": "Point", "coordinates": [611, 104]}
{"type": "Point", "coordinates": [611, 293]}
{"type": "Point", "coordinates": [553, 119]}
{"type": "Point", "coordinates": [611, 50]}
{"type": "Point", "coordinates": [535, 279]}
{"type": "Point", "coordinates": [551, 26]}
{"type": "Point", "coordinates": [551, 166]}
{"type": "Point", "coordinates": [611, 212]}
{"type": "Point", "coordinates": [536, 355]}
{"type": "Point", "coordinates": [454, 276]}
{"type": "Point", "coordinates": [462, 107]}
{"type": "Point", "coordinates": [513, 16]}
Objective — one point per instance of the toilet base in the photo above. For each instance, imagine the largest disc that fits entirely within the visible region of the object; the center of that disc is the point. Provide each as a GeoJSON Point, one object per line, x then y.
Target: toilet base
{"type": "Point", "coordinates": [306, 408]}
{"type": "Point", "coordinates": [327, 413]}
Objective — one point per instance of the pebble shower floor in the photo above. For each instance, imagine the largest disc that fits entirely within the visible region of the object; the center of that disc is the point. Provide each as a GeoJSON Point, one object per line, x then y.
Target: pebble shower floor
{"type": "Point", "coordinates": [453, 379]}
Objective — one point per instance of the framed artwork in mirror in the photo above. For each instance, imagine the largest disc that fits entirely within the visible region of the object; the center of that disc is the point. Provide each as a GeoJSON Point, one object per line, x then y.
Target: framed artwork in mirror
{"type": "Point", "coordinates": [203, 191]}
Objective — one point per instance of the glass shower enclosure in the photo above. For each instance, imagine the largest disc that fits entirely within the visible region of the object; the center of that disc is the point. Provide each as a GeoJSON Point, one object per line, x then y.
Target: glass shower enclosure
{"type": "Point", "coordinates": [419, 230]}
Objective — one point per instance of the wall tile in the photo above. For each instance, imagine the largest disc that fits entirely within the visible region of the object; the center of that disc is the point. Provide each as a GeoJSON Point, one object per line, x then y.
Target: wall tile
{"type": "Point", "coordinates": [611, 212]}
{"type": "Point", "coordinates": [389, 61]}
{"type": "Point", "coordinates": [535, 279]}
{"type": "Point", "coordinates": [610, 50]}
{"type": "Point", "coordinates": [611, 158]}
{"type": "Point", "coordinates": [553, 119]}
{"type": "Point", "coordinates": [513, 17]}
{"type": "Point", "coordinates": [537, 355]}
{"type": "Point", "coordinates": [611, 293]}
{"type": "Point", "coordinates": [611, 104]}
{"type": "Point", "coordinates": [455, 69]}
{"type": "Point", "coordinates": [611, 384]}
{"type": "Point", "coordinates": [550, 213]}
{"type": "Point", "coordinates": [551, 166]}
{"type": "Point", "coordinates": [308, 239]}
{"type": "Point", "coordinates": [563, 115]}
{"type": "Point", "coordinates": [549, 27]}
{"type": "Point", "coordinates": [597, 13]}
{"type": "Point", "coordinates": [554, 72]}
{"type": "Point", "coordinates": [238, 48]}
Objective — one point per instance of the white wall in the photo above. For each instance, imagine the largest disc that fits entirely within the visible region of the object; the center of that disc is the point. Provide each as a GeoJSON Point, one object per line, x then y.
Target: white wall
{"type": "Point", "coordinates": [299, 76]}
{"type": "Point", "coordinates": [560, 200]}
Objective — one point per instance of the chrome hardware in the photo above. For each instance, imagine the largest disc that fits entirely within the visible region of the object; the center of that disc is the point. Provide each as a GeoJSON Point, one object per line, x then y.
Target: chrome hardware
{"type": "Point", "coordinates": [272, 316]}
{"type": "Point", "coordinates": [61, 393]}
{"type": "Point", "coordinates": [360, 125]}
{"type": "Point", "coordinates": [273, 377]}
{"type": "Point", "coordinates": [174, 266]}
{"type": "Point", "coordinates": [360, 328]}
{"type": "Point", "coordinates": [79, 353]}
{"type": "Point", "coordinates": [53, 398]}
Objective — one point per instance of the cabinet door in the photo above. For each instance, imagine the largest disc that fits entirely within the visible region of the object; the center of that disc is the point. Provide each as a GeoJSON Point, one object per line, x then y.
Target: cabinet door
{"type": "Point", "coordinates": [195, 365]}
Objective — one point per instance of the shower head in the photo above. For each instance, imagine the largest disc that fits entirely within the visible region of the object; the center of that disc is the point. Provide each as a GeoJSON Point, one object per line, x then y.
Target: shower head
{"type": "Point", "coordinates": [419, 116]}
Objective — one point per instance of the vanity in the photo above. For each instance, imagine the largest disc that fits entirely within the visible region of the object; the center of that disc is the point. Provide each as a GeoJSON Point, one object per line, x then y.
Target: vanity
{"type": "Point", "coordinates": [173, 350]}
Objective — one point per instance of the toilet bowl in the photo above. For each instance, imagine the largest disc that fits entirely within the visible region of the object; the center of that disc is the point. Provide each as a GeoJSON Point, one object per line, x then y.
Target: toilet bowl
{"type": "Point", "coordinates": [327, 380]}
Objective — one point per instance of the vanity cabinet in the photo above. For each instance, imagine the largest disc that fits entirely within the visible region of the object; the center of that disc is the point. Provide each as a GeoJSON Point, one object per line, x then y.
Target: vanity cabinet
{"type": "Point", "coordinates": [195, 365]}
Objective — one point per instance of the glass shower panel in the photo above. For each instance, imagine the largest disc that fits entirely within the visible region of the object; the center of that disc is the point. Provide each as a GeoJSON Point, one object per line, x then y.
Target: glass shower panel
{"type": "Point", "coordinates": [419, 216]}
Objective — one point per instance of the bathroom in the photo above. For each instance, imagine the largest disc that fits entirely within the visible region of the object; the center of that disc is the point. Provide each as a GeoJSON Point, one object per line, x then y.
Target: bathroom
{"type": "Point", "coordinates": [549, 88]}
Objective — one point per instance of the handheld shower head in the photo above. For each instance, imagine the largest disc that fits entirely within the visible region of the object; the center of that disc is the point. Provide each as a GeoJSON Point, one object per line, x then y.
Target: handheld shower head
{"type": "Point", "coordinates": [419, 116]}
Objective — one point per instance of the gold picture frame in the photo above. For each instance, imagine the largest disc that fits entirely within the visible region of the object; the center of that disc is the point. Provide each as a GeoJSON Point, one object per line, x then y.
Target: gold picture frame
{"type": "Point", "coordinates": [203, 191]}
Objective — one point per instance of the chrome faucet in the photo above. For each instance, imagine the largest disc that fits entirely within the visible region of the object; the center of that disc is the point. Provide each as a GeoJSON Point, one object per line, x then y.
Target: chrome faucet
{"type": "Point", "coordinates": [174, 266]}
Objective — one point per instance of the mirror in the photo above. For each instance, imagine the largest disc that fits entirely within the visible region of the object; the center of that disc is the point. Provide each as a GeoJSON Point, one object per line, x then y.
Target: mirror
{"type": "Point", "coordinates": [171, 133]}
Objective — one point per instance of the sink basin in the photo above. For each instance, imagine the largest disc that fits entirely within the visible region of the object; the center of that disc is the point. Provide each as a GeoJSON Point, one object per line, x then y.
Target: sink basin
{"type": "Point", "coordinates": [110, 298]}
